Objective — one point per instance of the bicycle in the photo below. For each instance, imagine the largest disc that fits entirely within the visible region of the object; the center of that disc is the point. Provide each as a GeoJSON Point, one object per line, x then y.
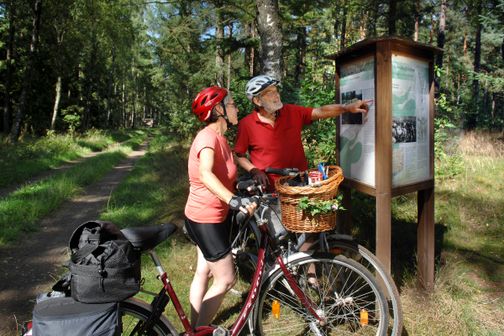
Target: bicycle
{"type": "Point", "coordinates": [281, 301]}
{"type": "Point", "coordinates": [332, 242]}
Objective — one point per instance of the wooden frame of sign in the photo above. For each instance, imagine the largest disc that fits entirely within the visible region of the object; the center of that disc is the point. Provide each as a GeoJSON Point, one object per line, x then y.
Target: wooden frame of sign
{"type": "Point", "coordinates": [398, 131]}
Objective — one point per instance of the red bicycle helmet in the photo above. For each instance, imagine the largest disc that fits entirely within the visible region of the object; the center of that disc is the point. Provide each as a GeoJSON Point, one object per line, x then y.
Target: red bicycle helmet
{"type": "Point", "coordinates": [206, 100]}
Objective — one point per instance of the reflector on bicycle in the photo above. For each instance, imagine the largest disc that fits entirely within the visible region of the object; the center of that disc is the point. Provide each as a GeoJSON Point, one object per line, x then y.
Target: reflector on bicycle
{"type": "Point", "coordinates": [275, 309]}
{"type": "Point", "coordinates": [364, 317]}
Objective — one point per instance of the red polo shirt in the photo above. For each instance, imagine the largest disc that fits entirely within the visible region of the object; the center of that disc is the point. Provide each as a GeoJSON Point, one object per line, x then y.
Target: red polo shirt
{"type": "Point", "coordinates": [278, 146]}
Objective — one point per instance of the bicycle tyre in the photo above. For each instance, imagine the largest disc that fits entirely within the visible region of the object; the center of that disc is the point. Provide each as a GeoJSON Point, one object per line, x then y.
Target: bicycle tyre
{"type": "Point", "coordinates": [351, 288]}
{"type": "Point", "coordinates": [135, 312]}
{"type": "Point", "coordinates": [374, 265]}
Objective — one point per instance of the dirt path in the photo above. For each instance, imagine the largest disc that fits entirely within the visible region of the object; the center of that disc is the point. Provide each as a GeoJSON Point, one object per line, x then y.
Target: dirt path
{"type": "Point", "coordinates": [34, 263]}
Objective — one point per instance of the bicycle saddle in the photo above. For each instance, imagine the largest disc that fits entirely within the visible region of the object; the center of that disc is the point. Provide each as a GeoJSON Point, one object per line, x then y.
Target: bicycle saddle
{"type": "Point", "coordinates": [148, 237]}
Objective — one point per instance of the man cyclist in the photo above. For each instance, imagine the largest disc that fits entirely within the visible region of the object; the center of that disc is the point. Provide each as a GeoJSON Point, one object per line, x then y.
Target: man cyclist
{"type": "Point", "coordinates": [271, 134]}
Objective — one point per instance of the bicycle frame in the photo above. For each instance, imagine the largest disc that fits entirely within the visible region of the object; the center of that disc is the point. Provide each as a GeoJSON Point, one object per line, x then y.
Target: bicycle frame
{"type": "Point", "coordinates": [266, 244]}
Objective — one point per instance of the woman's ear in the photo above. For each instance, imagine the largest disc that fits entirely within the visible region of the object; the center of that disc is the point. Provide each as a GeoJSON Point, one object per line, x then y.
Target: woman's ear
{"type": "Point", "coordinates": [218, 109]}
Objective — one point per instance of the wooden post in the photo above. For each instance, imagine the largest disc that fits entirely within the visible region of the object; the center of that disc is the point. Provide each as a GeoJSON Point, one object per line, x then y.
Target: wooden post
{"type": "Point", "coordinates": [425, 238]}
{"type": "Point", "coordinates": [411, 57]}
{"type": "Point", "coordinates": [425, 203]}
{"type": "Point", "coordinates": [383, 166]}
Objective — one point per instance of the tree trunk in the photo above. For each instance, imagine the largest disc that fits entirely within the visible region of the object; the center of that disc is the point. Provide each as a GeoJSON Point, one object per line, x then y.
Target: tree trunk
{"type": "Point", "coordinates": [392, 17]}
{"type": "Point", "coordinates": [111, 89]}
{"type": "Point", "coordinates": [373, 21]}
{"type": "Point", "coordinates": [465, 44]}
{"type": "Point", "coordinates": [336, 25]}
{"type": "Point", "coordinates": [363, 26]}
{"type": "Point", "coordinates": [431, 32]}
{"type": "Point", "coordinates": [477, 51]}
{"type": "Point", "coordinates": [228, 83]}
{"type": "Point", "coordinates": [300, 55]}
{"type": "Point", "coordinates": [219, 52]}
{"type": "Point", "coordinates": [7, 112]}
{"type": "Point", "coordinates": [441, 32]}
{"type": "Point", "coordinates": [343, 26]}
{"type": "Point", "coordinates": [472, 118]}
{"type": "Point", "coordinates": [133, 110]}
{"type": "Point", "coordinates": [250, 49]}
{"type": "Point", "coordinates": [123, 106]}
{"type": "Point", "coordinates": [268, 24]}
{"type": "Point", "coordinates": [417, 20]}
{"type": "Point", "coordinates": [56, 102]}
{"type": "Point", "coordinates": [502, 49]}
{"type": "Point", "coordinates": [23, 101]}
{"type": "Point", "coordinates": [57, 98]}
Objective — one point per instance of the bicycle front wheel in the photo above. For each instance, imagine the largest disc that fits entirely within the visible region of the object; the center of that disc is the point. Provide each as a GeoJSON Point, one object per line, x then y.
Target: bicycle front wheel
{"type": "Point", "coordinates": [345, 294]}
{"type": "Point", "coordinates": [133, 321]}
{"type": "Point", "coordinates": [366, 258]}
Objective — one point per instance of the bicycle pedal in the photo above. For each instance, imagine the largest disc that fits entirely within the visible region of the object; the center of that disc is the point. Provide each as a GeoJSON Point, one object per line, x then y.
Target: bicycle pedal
{"type": "Point", "coordinates": [220, 331]}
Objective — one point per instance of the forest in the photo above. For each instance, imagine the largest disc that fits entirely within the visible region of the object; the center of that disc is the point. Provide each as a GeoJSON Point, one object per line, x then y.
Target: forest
{"type": "Point", "coordinates": [74, 65]}
{"type": "Point", "coordinates": [82, 79]}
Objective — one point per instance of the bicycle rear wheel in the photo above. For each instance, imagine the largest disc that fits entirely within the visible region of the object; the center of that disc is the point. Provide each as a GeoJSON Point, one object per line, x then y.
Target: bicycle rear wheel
{"type": "Point", "coordinates": [345, 294]}
{"type": "Point", "coordinates": [134, 315]}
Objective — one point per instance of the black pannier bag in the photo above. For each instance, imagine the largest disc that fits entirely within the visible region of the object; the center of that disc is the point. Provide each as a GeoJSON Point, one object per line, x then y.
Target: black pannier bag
{"type": "Point", "coordinates": [63, 316]}
{"type": "Point", "coordinates": [104, 266]}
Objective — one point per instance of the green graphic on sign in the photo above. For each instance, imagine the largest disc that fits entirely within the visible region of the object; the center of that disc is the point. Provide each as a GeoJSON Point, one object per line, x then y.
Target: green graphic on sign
{"type": "Point", "coordinates": [404, 104]}
{"type": "Point", "coordinates": [351, 152]}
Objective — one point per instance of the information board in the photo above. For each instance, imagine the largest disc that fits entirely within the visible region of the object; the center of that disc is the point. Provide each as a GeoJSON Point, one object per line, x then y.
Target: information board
{"type": "Point", "coordinates": [357, 130]}
{"type": "Point", "coordinates": [410, 116]}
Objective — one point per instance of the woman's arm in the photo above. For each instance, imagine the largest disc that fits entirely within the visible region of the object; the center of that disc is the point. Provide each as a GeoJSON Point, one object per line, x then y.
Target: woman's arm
{"type": "Point", "coordinates": [209, 179]}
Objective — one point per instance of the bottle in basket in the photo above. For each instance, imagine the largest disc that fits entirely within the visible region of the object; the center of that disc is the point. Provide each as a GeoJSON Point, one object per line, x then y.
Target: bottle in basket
{"type": "Point", "coordinates": [314, 178]}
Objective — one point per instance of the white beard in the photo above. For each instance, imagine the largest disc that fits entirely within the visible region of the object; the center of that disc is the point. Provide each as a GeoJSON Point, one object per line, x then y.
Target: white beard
{"type": "Point", "coordinates": [272, 107]}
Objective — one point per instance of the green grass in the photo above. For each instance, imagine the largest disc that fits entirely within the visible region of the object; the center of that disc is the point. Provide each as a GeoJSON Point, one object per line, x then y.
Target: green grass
{"type": "Point", "coordinates": [23, 209]}
{"type": "Point", "coordinates": [23, 160]}
{"type": "Point", "coordinates": [467, 299]}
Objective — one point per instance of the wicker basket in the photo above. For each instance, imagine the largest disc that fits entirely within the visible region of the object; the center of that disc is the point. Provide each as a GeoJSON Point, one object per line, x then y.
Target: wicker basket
{"type": "Point", "coordinates": [296, 220]}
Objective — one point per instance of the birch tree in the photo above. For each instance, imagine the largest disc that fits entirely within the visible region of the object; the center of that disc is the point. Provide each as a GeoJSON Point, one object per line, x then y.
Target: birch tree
{"type": "Point", "coordinates": [268, 25]}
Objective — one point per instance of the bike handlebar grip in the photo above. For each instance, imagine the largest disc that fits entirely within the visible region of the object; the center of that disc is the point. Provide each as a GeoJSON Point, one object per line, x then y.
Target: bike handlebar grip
{"type": "Point", "coordinates": [282, 171]}
{"type": "Point", "coordinates": [247, 185]}
{"type": "Point", "coordinates": [278, 171]}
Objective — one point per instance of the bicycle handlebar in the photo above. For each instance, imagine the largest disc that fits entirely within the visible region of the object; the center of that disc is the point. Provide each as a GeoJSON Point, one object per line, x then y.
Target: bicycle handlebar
{"type": "Point", "coordinates": [282, 171]}
{"type": "Point", "coordinates": [241, 216]}
{"type": "Point", "coordinates": [246, 186]}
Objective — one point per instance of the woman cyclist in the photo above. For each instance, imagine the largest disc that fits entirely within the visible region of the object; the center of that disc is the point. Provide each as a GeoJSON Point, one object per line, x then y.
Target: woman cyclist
{"type": "Point", "coordinates": [212, 174]}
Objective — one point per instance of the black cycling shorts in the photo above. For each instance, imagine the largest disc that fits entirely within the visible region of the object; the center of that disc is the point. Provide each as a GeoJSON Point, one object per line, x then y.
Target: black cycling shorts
{"type": "Point", "coordinates": [212, 239]}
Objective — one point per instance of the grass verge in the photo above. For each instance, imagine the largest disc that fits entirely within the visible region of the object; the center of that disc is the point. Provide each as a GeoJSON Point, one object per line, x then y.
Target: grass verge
{"type": "Point", "coordinates": [468, 296]}
{"type": "Point", "coordinates": [23, 160]}
{"type": "Point", "coordinates": [21, 210]}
